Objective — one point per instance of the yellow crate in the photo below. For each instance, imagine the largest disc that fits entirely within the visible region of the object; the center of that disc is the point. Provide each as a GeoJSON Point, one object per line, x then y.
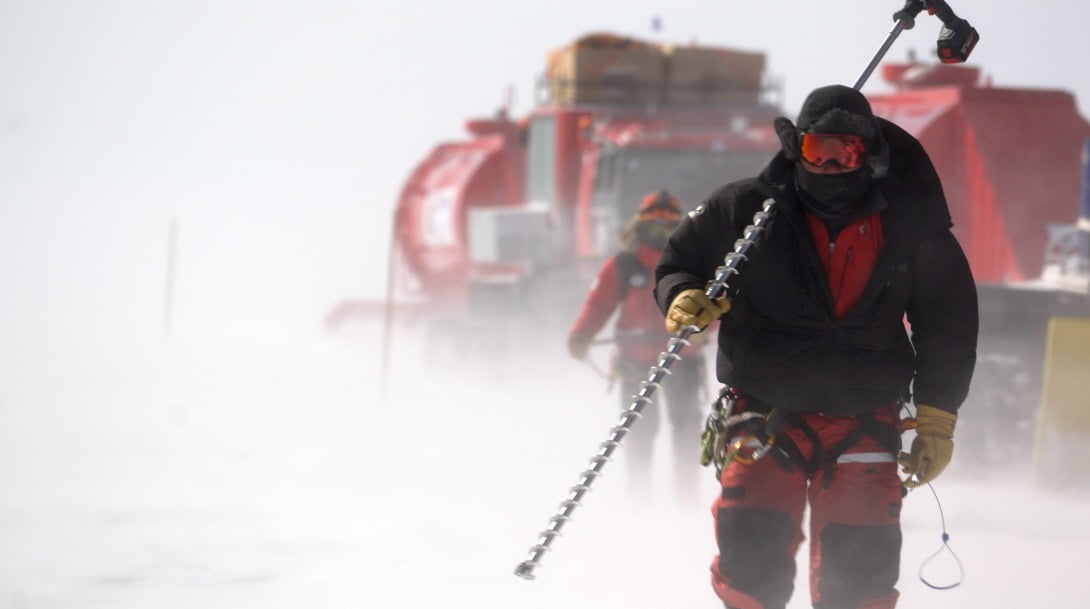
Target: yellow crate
{"type": "Point", "coordinates": [1062, 445]}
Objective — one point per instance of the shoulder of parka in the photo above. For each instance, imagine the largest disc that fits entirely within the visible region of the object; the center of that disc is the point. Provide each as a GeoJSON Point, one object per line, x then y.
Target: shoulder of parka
{"type": "Point", "coordinates": [734, 204]}
{"type": "Point", "coordinates": [912, 187]}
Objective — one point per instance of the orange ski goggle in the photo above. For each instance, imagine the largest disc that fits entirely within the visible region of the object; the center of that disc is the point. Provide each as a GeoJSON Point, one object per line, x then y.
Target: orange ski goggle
{"type": "Point", "coordinates": [821, 148]}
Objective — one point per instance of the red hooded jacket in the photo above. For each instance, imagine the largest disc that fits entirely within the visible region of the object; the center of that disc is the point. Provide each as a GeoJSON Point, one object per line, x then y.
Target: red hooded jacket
{"type": "Point", "coordinates": [624, 282]}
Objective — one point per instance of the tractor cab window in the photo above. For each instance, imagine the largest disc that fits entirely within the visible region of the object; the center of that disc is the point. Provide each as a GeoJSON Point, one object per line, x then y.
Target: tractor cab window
{"type": "Point", "coordinates": [625, 175]}
{"type": "Point", "coordinates": [541, 160]}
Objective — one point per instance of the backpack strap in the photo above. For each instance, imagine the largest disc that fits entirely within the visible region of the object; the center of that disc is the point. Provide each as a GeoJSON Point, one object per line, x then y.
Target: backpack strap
{"type": "Point", "coordinates": [631, 273]}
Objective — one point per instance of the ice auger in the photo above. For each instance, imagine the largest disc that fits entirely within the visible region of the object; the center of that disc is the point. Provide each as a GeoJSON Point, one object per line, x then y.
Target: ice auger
{"type": "Point", "coordinates": [717, 287]}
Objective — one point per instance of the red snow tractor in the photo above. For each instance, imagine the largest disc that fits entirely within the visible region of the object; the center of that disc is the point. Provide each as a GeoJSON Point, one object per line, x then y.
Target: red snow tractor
{"type": "Point", "coordinates": [1010, 160]}
{"type": "Point", "coordinates": [525, 209]}
{"type": "Point", "coordinates": [511, 223]}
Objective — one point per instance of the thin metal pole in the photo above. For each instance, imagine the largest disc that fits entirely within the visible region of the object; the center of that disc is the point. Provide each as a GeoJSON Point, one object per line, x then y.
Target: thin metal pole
{"type": "Point", "coordinates": [168, 294]}
{"type": "Point", "coordinates": [904, 19]}
{"type": "Point", "coordinates": [716, 288]}
{"type": "Point", "coordinates": [892, 36]}
{"type": "Point", "coordinates": [388, 308]}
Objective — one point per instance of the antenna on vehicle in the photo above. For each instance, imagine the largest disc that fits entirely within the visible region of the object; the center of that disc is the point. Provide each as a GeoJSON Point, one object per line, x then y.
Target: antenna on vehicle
{"type": "Point", "coordinates": [507, 108]}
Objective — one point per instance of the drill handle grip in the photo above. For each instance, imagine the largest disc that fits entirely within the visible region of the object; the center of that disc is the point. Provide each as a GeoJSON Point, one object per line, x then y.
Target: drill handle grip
{"type": "Point", "coordinates": [942, 10]}
{"type": "Point", "coordinates": [939, 8]}
{"type": "Point", "coordinates": [907, 15]}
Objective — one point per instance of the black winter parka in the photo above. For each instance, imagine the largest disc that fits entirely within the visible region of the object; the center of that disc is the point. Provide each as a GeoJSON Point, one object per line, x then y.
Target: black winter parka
{"type": "Point", "coordinates": [781, 342]}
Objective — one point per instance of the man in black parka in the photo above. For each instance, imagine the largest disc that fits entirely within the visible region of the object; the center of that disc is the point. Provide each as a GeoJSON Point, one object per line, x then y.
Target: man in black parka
{"type": "Point", "coordinates": [814, 340]}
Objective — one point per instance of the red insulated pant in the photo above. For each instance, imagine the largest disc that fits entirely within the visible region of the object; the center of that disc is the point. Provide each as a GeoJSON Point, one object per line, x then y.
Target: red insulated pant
{"type": "Point", "coordinates": [855, 533]}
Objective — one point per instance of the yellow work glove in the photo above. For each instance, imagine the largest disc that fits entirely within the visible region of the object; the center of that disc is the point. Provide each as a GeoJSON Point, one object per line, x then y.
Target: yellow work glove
{"type": "Point", "coordinates": [932, 447]}
{"type": "Point", "coordinates": [693, 308]}
{"type": "Point", "coordinates": [578, 345]}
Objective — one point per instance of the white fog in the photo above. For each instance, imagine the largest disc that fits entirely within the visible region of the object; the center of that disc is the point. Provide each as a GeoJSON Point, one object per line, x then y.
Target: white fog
{"type": "Point", "coordinates": [179, 429]}
{"type": "Point", "coordinates": [271, 471]}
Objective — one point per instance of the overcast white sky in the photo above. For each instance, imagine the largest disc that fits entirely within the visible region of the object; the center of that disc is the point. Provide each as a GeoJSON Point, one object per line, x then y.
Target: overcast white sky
{"type": "Point", "coordinates": [278, 133]}
{"type": "Point", "coordinates": [236, 464]}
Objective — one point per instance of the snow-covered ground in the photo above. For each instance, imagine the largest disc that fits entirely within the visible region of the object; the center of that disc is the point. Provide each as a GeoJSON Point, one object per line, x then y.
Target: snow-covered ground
{"type": "Point", "coordinates": [277, 471]}
{"type": "Point", "coordinates": [252, 459]}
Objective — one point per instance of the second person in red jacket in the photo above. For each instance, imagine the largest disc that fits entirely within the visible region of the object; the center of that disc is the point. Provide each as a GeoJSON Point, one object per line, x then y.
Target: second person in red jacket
{"type": "Point", "coordinates": [623, 286]}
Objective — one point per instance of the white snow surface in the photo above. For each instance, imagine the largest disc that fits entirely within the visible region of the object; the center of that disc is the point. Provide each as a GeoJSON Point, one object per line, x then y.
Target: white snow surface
{"type": "Point", "coordinates": [271, 471]}
{"type": "Point", "coordinates": [249, 458]}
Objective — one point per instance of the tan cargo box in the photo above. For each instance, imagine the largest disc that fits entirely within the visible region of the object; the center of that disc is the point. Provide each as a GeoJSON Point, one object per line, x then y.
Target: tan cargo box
{"type": "Point", "coordinates": [713, 76]}
{"type": "Point", "coordinates": [602, 68]}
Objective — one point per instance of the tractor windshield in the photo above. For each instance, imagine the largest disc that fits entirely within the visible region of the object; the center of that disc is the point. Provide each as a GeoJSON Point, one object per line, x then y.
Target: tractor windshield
{"type": "Point", "coordinates": [626, 175]}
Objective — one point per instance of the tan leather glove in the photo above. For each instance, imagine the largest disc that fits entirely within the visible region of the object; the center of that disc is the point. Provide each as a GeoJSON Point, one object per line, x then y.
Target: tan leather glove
{"type": "Point", "coordinates": [693, 308]}
{"type": "Point", "coordinates": [932, 447]}
{"type": "Point", "coordinates": [578, 345]}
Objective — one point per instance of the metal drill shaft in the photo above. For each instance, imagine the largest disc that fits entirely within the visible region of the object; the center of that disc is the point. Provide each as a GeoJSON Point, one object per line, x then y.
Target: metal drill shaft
{"type": "Point", "coordinates": [716, 287]}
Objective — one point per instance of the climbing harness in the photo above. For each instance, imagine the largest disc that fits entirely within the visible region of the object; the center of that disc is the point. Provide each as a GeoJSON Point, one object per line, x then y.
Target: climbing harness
{"type": "Point", "coordinates": [735, 430]}
{"type": "Point", "coordinates": [747, 428]}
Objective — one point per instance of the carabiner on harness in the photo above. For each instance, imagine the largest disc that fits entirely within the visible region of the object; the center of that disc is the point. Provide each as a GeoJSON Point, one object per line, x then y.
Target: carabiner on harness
{"type": "Point", "coordinates": [760, 449]}
{"type": "Point", "coordinates": [751, 442]}
{"type": "Point", "coordinates": [714, 436]}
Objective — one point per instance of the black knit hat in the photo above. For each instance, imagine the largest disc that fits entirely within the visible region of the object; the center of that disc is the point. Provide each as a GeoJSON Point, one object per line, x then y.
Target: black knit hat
{"type": "Point", "coordinates": [837, 109]}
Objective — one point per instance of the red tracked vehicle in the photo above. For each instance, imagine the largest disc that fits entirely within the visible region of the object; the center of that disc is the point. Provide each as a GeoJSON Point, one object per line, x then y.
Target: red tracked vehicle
{"type": "Point", "coordinates": [513, 220]}
{"type": "Point", "coordinates": [530, 206]}
{"type": "Point", "coordinates": [1011, 163]}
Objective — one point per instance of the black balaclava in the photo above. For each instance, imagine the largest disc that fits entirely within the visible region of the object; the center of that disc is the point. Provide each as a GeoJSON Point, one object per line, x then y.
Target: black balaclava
{"type": "Point", "coordinates": [657, 217]}
{"type": "Point", "coordinates": [655, 233]}
{"type": "Point", "coordinates": [832, 195]}
{"type": "Point", "coordinates": [835, 197]}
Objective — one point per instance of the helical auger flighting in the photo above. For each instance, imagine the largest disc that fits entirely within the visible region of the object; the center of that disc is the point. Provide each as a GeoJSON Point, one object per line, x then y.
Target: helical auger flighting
{"type": "Point", "coordinates": [716, 287]}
